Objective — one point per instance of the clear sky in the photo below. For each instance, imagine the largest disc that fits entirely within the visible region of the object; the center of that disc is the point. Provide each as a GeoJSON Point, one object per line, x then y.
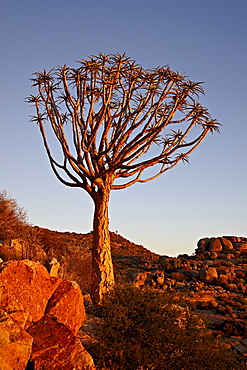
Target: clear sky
{"type": "Point", "coordinates": [206, 39]}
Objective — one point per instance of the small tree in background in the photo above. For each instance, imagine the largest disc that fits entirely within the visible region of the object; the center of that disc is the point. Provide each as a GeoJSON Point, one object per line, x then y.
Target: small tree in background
{"type": "Point", "coordinates": [14, 225]}
{"type": "Point", "coordinates": [13, 219]}
{"type": "Point", "coordinates": [114, 120]}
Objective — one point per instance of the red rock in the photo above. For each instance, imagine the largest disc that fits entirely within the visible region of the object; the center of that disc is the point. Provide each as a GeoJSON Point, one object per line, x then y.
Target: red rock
{"type": "Point", "coordinates": [67, 305]}
{"type": "Point", "coordinates": [25, 286]}
{"type": "Point", "coordinates": [226, 243]}
{"type": "Point", "coordinates": [208, 275]}
{"type": "Point", "coordinates": [243, 248]}
{"type": "Point", "coordinates": [140, 278]}
{"type": "Point", "coordinates": [15, 344]}
{"type": "Point", "coordinates": [215, 245]}
{"type": "Point", "coordinates": [56, 347]}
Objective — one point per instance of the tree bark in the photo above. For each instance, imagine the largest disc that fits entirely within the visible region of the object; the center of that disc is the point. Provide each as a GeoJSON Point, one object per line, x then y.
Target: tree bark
{"type": "Point", "coordinates": [102, 267]}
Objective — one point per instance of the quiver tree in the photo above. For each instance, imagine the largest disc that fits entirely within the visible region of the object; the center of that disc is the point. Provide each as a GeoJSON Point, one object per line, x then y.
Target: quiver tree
{"type": "Point", "coordinates": [114, 120]}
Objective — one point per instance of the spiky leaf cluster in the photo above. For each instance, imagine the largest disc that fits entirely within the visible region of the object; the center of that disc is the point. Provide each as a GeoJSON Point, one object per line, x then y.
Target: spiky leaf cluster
{"type": "Point", "coordinates": [122, 119]}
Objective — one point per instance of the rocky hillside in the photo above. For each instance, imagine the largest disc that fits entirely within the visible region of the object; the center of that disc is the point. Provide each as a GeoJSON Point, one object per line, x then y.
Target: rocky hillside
{"type": "Point", "coordinates": [214, 279]}
{"type": "Point", "coordinates": [73, 252]}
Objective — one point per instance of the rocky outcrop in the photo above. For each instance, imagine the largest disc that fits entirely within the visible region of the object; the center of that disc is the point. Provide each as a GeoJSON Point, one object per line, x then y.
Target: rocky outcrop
{"type": "Point", "coordinates": [222, 246]}
{"type": "Point", "coordinates": [41, 316]}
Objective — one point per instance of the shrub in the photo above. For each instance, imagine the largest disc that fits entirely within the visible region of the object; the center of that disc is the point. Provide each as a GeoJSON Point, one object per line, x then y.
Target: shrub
{"type": "Point", "coordinates": [12, 217]}
{"type": "Point", "coordinates": [147, 329]}
{"type": "Point", "coordinates": [14, 225]}
{"type": "Point", "coordinates": [238, 281]}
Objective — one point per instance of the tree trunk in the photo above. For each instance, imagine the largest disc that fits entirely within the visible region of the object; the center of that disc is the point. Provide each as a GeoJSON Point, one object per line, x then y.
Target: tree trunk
{"type": "Point", "coordinates": [102, 267]}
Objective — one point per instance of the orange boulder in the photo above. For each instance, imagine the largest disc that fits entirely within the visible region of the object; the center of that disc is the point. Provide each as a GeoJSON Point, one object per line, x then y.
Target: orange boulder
{"type": "Point", "coordinates": [67, 305]}
{"type": "Point", "coordinates": [56, 347]}
{"type": "Point", "coordinates": [25, 286]}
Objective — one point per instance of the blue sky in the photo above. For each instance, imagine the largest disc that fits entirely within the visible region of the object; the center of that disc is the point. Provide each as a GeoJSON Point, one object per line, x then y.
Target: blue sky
{"type": "Point", "coordinates": [205, 39]}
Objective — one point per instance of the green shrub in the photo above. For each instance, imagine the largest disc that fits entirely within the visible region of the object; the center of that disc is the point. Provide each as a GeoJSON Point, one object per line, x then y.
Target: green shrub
{"type": "Point", "coordinates": [147, 329]}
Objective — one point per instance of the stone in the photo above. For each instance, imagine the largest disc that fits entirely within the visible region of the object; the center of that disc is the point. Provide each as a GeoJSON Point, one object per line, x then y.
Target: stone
{"type": "Point", "coordinates": [237, 245]}
{"type": "Point", "coordinates": [208, 274]}
{"type": "Point", "coordinates": [159, 277]}
{"type": "Point", "coordinates": [67, 305]}
{"type": "Point", "coordinates": [25, 286]}
{"type": "Point", "coordinates": [232, 287]}
{"type": "Point", "coordinates": [140, 278]}
{"type": "Point", "coordinates": [226, 244]}
{"type": "Point", "coordinates": [56, 347]}
{"type": "Point", "coordinates": [215, 245]}
{"type": "Point", "coordinates": [243, 248]}
{"type": "Point", "coordinates": [15, 344]}
{"type": "Point", "coordinates": [203, 244]}
{"type": "Point", "coordinates": [52, 266]}
{"type": "Point", "coordinates": [190, 274]}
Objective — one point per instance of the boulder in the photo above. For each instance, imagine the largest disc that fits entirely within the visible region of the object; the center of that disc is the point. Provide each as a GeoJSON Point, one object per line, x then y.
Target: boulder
{"type": "Point", "coordinates": [190, 274]}
{"type": "Point", "coordinates": [52, 266]}
{"type": "Point", "coordinates": [215, 245]}
{"type": "Point", "coordinates": [232, 287]}
{"type": "Point", "coordinates": [140, 278]}
{"type": "Point", "coordinates": [243, 248]}
{"type": "Point", "coordinates": [208, 274]}
{"type": "Point", "coordinates": [25, 286]}
{"type": "Point", "coordinates": [202, 245]}
{"type": "Point", "coordinates": [67, 305]}
{"type": "Point", "coordinates": [159, 277]}
{"type": "Point", "coordinates": [15, 344]}
{"type": "Point", "coordinates": [51, 311]}
{"type": "Point", "coordinates": [56, 347]}
{"type": "Point", "coordinates": [226, 244]}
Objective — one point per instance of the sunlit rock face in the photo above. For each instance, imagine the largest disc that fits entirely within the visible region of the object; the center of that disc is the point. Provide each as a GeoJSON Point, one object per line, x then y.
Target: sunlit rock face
{"type": "Point", "coordinates": [43, 313]}
{"type": "Point", "coordinates": [56, 347]}
{"type": "Point", "coordinates": [226, 245]}
{"type": "Point", "coordinates": [15, 343]}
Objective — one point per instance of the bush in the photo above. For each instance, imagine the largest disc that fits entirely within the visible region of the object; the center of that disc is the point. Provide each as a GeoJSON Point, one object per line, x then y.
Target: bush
{"type": "Point", "coordinates": [14, 225]}
{"type": "Point", "coordinates": [147, 329]}
{"type": "Point", "coordinates": [13, 218]}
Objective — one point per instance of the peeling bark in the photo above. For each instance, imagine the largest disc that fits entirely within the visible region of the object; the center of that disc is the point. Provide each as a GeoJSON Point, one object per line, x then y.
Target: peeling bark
{"type": "Point", "coordinates": [102, 267]}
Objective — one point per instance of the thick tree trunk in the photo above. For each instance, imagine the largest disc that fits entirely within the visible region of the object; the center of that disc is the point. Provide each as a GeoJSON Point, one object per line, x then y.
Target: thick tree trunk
{"type": "Point", "coordinates": [102, 267]}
